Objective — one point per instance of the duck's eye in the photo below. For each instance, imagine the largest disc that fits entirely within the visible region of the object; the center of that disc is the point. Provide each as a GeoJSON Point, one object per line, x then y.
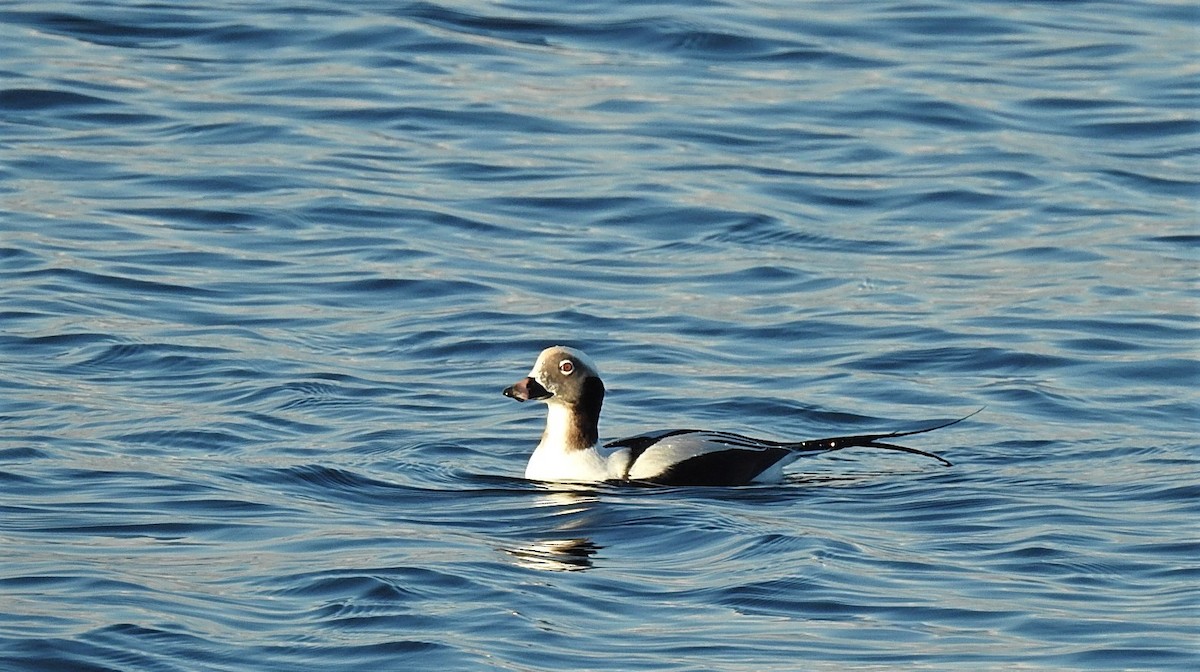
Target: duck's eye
{"type": "Point", "coordinates": [566, 367]}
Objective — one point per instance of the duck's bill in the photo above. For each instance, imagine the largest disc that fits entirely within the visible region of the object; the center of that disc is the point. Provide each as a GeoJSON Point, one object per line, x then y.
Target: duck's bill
{"type": "Point", "coordinates": [526, 389]}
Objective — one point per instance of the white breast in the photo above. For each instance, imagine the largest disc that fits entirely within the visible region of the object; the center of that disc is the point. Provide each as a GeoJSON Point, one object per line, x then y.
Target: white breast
{"type": "Point", "coordinates": [553, 460]}
{"type": "Point", "coordinates": [580, 466]}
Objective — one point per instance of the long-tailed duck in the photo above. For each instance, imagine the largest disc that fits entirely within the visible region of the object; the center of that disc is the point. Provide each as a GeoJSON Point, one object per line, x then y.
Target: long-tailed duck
{"type": "Point", "coordinates": [569, 383]}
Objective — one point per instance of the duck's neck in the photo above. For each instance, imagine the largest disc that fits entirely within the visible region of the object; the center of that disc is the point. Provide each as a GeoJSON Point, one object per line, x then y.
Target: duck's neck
{"type": "Point", "coordinates": [575, 426]}
{"type": "Point", "coordinates": [567, 451]}
{"type": "Point", "coordinates": [569, 429]}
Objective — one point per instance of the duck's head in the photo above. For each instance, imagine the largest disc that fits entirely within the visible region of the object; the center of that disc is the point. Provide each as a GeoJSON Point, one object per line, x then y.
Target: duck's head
{"type": "Point", "coordinates": [561, 375]}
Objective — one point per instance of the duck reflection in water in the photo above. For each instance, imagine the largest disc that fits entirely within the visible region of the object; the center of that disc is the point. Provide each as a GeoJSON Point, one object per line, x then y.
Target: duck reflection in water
{"type": "Point", "coordinates": [556, 555]}
{"type": "Point", "coordinates": [568, 553]}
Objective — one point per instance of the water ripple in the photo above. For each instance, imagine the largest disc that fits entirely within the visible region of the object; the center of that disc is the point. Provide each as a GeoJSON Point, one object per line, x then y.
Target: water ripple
{"type": "Point", "coordinates": [264, 271]}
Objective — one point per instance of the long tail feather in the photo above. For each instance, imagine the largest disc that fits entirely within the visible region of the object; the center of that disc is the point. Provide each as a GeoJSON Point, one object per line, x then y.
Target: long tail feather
{"type": "Point", "coordinates": [872, 441]}
{"type": "Point", "coordinates": [911, 451]}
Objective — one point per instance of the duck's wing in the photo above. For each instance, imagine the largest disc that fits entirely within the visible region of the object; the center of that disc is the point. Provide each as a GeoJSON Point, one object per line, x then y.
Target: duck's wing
{"type": "Point", "coordinates": [694, 457]}
{"type": "Point", "coordinates": [700, 457]}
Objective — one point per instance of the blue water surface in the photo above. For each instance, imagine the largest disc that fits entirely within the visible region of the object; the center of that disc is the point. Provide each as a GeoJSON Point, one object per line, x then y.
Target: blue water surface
{"type": "Point", "coordinates": [265, 268]}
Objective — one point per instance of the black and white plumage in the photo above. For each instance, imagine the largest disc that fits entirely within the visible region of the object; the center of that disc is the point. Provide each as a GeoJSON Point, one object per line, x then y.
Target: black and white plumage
{"type": "Point", "coordinates": [569, 383]}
